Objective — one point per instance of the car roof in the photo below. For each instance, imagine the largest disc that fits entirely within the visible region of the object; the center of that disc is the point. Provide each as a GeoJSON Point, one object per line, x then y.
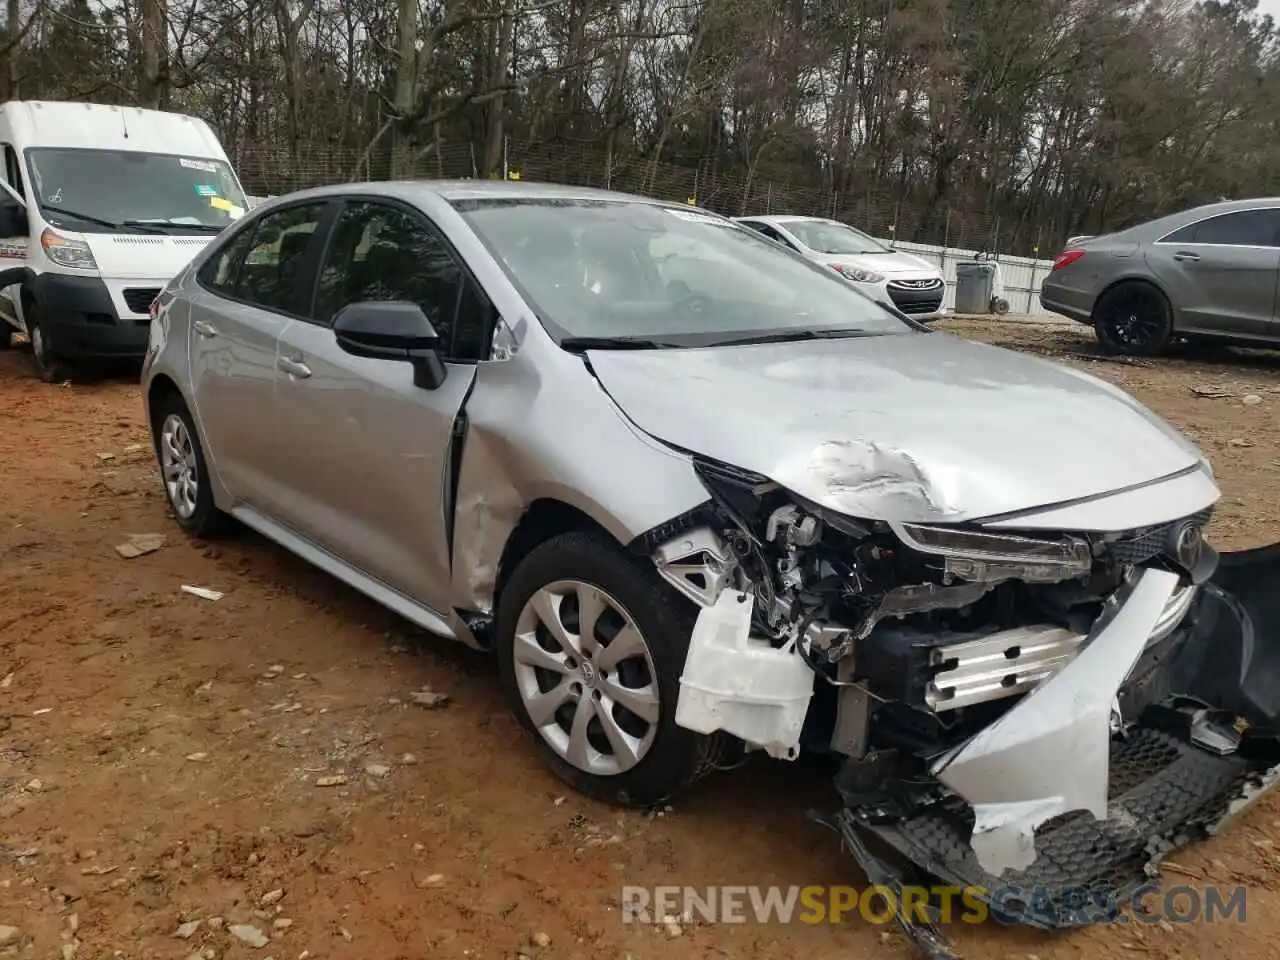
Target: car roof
{"type": "Point", "coordinates": [784, 219]}
{"type": "Point", "coordinates": [455, 190]}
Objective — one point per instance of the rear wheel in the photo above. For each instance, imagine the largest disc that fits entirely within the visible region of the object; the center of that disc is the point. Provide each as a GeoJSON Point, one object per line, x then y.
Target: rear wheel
{"type": "Point", "coordinates": [1134, 319]}
{"type": "Point", "coordinates": [187, 483]}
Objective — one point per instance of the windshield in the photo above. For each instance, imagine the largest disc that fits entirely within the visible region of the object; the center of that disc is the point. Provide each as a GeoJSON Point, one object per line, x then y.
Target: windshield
{"type": "Point", "coordinates": [622, 270]}
{"type": "Point", "coordinates": [826, 236]}
{"type": "Point", "coordinates": [102, 190]}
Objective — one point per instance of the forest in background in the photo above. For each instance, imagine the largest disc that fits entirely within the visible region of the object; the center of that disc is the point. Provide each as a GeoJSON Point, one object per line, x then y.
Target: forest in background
{"type": "Point", "coordinates": [1005, 124]}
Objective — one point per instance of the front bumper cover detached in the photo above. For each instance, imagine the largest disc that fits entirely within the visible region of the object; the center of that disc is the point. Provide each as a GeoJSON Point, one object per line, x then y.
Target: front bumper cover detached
{"type": "Point", "coordinates": [1061, 811]}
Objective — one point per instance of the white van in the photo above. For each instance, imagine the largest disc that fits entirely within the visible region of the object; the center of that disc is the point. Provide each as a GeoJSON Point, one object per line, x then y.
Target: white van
{"type": "Point", "coordinates": [101, 206]}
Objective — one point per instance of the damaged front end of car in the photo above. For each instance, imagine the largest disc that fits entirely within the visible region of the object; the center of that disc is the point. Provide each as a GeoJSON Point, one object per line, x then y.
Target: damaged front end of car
{"type": "Point", "coordinates": [1037, 716]}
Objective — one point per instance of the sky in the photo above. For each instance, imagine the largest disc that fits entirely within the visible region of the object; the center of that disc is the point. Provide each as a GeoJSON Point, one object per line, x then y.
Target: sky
{"type": "Point", "coordinates": [1270, 6]}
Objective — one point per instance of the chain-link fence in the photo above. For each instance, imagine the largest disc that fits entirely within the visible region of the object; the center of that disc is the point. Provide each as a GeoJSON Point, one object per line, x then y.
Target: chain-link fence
{"type": "Point", "coordinates": [885, 213]}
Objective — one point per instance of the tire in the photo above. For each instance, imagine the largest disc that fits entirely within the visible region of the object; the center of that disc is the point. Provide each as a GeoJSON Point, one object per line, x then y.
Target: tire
{"type": "Point", "coordinates": [589, 564]}
{"type": "Point", "coordinates": [49, 367]}
{"type": "Point", "coordinates": [1134, 319]}
{"type": "Point", "coordinates": [187, 487]}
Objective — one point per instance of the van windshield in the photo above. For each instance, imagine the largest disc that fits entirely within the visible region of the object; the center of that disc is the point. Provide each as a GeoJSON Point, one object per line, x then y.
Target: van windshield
{"type": "Point", "coordinates": [115, 190]}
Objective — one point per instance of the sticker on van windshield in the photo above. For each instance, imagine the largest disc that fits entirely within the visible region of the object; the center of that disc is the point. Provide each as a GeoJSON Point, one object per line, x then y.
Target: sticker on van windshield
{"type": "Point", "coordinates": [208, 166]}
{"type": "Point", "coordinates": [227, 207]}
{"type": "Point", "coordinates": [205, 190]}
{"type": "Point", "coordinates": [695, 217]}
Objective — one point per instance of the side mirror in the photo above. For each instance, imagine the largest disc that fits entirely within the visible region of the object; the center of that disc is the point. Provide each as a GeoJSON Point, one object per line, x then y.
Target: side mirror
{"type": "Point", "coordinates": [392, 330]}
{"type": "Point", "coordinates": [13, 218]}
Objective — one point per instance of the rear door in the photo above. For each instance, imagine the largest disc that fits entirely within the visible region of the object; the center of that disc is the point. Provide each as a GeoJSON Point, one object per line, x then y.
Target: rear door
{"type": "Point", "coordinates": [1221, 272]}
{"type": "Point", "coordinates": [369, 476]}
{"type": "Point", "coordinates": [247, 293]}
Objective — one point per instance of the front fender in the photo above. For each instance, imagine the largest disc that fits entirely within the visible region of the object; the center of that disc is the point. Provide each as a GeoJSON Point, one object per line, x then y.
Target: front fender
{"type": "Point", "coordinates": [539, 426]}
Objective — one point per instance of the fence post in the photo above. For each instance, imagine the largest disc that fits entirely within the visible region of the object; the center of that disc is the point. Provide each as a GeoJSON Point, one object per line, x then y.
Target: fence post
{"type": "Point", "coordinates": [1031, 286]}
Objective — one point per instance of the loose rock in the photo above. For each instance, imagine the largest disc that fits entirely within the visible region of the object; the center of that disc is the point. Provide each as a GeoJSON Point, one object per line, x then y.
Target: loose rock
{"type": "Point", "coordinates": [429, 699]}
{"type": "Point", "coordinates": [376, 769]}
{"type": "Point", "coordinates": [334, 781]}
{"type": "Point", "coordinates": [187, 930]}
{"type": "Point", "coordinates": [272, 896]}
{"type": "Point", "coordinates": [540, 940]}
{"type": "Point", "coordinates": [140, 544]}
{"type": "Point", "coordinates": [9, 936]}
{"type": "Point", "coordinates": [249, 934]}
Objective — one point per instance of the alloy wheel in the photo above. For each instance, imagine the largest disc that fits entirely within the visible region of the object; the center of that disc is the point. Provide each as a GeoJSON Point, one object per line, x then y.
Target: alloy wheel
{"type": "Point", "coordinates": [1137, 321]}
{"type": "Point", "coordinates": [586, 677]}
{"type": "Point", "coordinates": [179, 467]}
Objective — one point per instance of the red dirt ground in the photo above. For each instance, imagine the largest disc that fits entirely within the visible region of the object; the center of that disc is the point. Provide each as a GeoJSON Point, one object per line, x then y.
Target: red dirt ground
{"type": "Point", "coordinates": [161, 755]}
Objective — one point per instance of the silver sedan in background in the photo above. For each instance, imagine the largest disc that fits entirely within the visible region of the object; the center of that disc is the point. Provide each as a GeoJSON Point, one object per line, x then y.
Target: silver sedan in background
{"type": "Point", "coordinates": [1207, 274]}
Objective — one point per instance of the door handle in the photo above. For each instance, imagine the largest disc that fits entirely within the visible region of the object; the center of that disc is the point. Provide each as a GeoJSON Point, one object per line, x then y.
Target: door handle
{"type": "Point", "coordinates": [294, 368]}
{"type": "Point", "coordinates": [205, 328]}
{"type": "Point", "coordinates": [1183, 256]}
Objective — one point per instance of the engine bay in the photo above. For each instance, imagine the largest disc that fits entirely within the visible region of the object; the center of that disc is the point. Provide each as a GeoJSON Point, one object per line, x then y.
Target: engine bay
{"type": "Point", "coordinates": [917, 635]}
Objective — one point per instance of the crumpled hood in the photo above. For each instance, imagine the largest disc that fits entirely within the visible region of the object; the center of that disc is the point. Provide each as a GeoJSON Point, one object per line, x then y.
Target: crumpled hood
{"type": "Point", "coordinates": [142, 256]}
{"type": "Point", "coordinates": [915, 427]}
{"type": "Point", "coordinates": [892, 264]}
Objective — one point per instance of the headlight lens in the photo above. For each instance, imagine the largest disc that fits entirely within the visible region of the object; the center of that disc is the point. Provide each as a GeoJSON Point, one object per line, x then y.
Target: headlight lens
{"type": "Point", "coordinates": [857, 274]}
{"type": "Point", "coordinates": [961, 544]}
{"type": "Point", "coordinates": [67, 252]}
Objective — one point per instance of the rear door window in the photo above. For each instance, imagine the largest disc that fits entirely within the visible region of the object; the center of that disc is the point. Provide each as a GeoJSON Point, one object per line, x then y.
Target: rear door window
{"type": "Point", "coordinates": [1243, 228]}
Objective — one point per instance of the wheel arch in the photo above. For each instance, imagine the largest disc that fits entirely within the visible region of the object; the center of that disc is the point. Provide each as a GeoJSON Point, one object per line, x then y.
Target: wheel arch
{"type": "Point", "coordinates": [161, 388]}
{"type": "Point", "coordinates": [545, 519]}
{"type": "Point", "coordinates": [1135, 280]}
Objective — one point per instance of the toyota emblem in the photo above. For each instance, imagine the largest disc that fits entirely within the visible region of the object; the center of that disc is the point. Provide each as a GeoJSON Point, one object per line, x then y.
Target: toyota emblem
{"type": "Point", "coordinates": [1187, 545]}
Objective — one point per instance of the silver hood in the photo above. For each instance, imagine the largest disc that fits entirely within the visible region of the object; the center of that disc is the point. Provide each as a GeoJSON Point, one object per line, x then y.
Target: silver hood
{"type": "Point", "coordinates": [913, 427]}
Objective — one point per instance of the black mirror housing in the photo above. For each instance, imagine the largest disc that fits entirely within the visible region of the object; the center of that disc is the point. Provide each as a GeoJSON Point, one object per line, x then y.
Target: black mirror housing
{"type": "Point", "coordinates": [392, 330]}
{"type": "Point", "coordinates": [13, 218]}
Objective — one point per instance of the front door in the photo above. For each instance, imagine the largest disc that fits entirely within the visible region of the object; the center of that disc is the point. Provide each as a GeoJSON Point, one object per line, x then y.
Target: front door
{"type": "Point", "coordinates": [13, 249]}
{"type": "Point", "coordinates": [243, 299]}
{"type": "Point", "coordinates": [369, 478]}
{"type": "Point", "coordinates": [1220, 273]}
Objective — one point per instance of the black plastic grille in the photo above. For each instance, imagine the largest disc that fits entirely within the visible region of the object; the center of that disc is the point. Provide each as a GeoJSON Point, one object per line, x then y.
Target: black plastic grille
{"type": "Point", "coordinates": [1163, 793]}
{"type": "Point", "coordinates": [916, 301]}
{"type": "Point", "coordinates": [1142, 548]}
{"type": "Point", "coordinates": [138, 299]}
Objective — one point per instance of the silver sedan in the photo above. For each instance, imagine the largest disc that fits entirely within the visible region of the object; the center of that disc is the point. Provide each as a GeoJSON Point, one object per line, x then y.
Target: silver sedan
{"type": "Point", "coordinates": [703, 498]}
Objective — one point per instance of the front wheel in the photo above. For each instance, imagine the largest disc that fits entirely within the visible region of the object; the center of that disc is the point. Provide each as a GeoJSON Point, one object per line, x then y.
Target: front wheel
{"type": "Point", "coordinates": [591, 645]}
{"type": "Point", "coordinates": [49, 366]}
{"type": "Point", "coordinates": [1134, 319]}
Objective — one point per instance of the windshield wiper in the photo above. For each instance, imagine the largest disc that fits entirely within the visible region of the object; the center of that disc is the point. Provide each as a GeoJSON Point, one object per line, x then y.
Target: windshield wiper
{"type": "Point", "coordinates": [575, 344]}
{"type": "Point", "coordinates": [160, 225]}
{"type": "Point", "coordinates": [147, 226]}
{"type": "Point", "coordinates": [74, 215]}
{"type": "Point", "coordinates": [785, 336]}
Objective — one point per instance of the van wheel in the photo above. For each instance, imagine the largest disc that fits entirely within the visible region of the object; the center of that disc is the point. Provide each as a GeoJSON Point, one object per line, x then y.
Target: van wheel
{"type": "Point", "coordinates": [44, 357]}
{"type": "Point", "coordinates": [590, 645]}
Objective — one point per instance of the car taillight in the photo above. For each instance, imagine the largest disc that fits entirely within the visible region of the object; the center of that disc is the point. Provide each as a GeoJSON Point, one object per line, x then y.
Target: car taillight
{"type": "Point", "coordinates": [1066, 258]}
